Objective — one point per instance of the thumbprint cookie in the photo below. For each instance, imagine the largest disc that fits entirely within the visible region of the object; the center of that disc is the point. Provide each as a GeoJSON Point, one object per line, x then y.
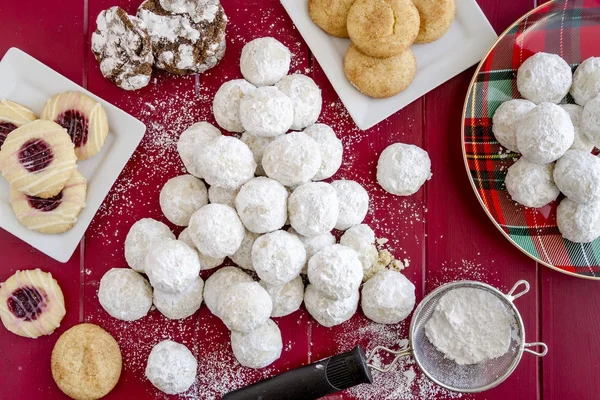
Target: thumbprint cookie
{"type": "Point", "coordinates": [12, 116]}
{"type": "Point", "coordinates": [31, 303]}
{"type": "Point", "coordinates": [55, 214]}
{"type": "Point", "coordinates": [84, 119]}
{"type": "Point", "coordinates": [38, 158]}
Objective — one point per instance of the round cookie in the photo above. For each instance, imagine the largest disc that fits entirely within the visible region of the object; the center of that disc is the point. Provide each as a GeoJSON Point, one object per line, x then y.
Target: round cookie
{"type": "Point", "coordinates": [219, 282]}
{"type": "Point", "coordinates": [581, 140]}
{"type": "Point", "coordinates": [336, 271]}
{"type": "Point", "coordinates": [505, 120]}
{"type": "Point", "coordinates": [380, 77]}
{"type": "Point", "coordinates": [313, 208]}
{"type": "Point", "coordinates": [331, 15]}
{"type": "Point", "coordinates": [226, 104]}
{"type": "Point", "coordinates": [187, 42]}
{"type": "Point", "coordinates": [383, 28]}
{"type": "Point", "coordinates": [192, 141]}
{"type": "Point", "coordinates": [388, 297]}
{"type": "Point", "coordinates": [586, 81]}
{"type": "Point", "coordinates": [219, 195]}
{"type": "Point", "coordinates": [292, 159]}
{"type": "Point", "coordinates": [244, 306]}
{"type": "Point", "coordinates": [259, 347]}
{"type": "Point", "coordinates": [226, 161]}
{"type": "Point", "coordinates": [306, 98]}
{"type": "Point", "coordinates": [172, 266]}
{"type": "Point", "coordinates": [142, 237]}
{"type": "Point", "coordinates": [544, 78]}
{"type": "Point", "coordinates": [313, 244]}
{"type": "Point", "coordinates": [353, 201]}
{"type": "Point", "coordinates": [206, 262]}
{"type": "Point", "coordinates": [590, 120]}
{"type": "Point", "coordinates": [38, 158]}
{"type": "Point", "coordinates": [84, 119]}
{"type": "Point", "coordinates": [180, 305]}
{"type": "Point", "coordinates": [331, 148]}
{"type": "Point", "coordinates": [55, 214]}
{"type": "Point", "coordinates": [267, 112]}
{"type": "Point", "coordinates": [436, 16]}
{"type": "Point", "coordinates": [257, 146]}
{"type": "Point", "coordinates": [361, 239]}
{"type": "Point", "coordinates": [531, 185]}
{"type": "Point", "coordinates": [278, 257]}
{"type": "Point", "coordinates": [125, 294]}
{"type": "Point", "coordinates": [181, 197]}
{"type": "Point", "coordinates": [286, 298]}
{"type": "Point", "coordinates": [243, 256]}
{"type": "Point", "coordinates": [577, 175]}
{"type": "Point", "coordinates": [12, 116]}
{"type": "Point", "coordinates": [262, 205]}
{"type": "Point", "coordinates": [579, 223]}
{"type": "Point", "coordinates": [171, 367]}
{"type": "Point", "coordinates": [264, 61]}
{"type": "Point", "coordinates": [86, 362]}
{"type": "Point", "coordinates": [403, 168]}
{"type": "Point", "coordinates": [122, 46]}
{"type": "Point", "coordinates": [329, 312]}
{"type": "Point", "coordinates": [216, 230]}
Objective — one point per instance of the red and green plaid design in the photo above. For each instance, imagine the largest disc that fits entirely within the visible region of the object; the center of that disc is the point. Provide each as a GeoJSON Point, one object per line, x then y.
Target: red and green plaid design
{"type": "Point", "coordinates": [570, 29]}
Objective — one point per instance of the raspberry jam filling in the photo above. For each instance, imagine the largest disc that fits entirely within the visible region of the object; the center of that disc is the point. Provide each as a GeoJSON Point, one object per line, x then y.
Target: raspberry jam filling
{"type": "Point", "coordinates": [76, 124]}
{"type": "Point", "coordinates": [45, 205]}
{"type": "Point", "coordinates": [5, 129]}
{"type": "Point", "coordinates": [35, 155]}
{"type": "Point", "coordinates": [27, 303]}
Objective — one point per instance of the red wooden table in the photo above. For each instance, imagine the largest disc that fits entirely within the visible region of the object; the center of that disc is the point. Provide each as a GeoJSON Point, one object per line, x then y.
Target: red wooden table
{"type": "Point", "coordinates": [442, 230]}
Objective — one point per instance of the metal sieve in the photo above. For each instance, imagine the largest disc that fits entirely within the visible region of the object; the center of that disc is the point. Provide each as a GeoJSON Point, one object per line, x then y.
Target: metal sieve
{"type": "Point", "coordinates": [353, 368]}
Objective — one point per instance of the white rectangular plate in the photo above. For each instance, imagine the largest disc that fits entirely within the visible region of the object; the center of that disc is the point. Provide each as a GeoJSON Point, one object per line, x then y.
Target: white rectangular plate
{"type": "Point", "coordinates": [466, 42]}
{"type": "Point", "coordinates": [27, 81]}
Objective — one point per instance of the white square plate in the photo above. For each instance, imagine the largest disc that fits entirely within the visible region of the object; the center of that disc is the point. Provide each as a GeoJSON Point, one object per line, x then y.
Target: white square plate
{"type": "Point", "coordinates": [27, 81]}
{"type": "Point", "coordinates": [466, 42]}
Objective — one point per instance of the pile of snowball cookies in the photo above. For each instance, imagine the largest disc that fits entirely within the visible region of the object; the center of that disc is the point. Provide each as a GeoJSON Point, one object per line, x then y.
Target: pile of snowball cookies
{"type": "Point", "coordinates": [260, 183]}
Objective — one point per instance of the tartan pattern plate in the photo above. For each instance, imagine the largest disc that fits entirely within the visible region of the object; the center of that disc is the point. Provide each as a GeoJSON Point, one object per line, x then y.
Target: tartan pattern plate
{"type": "Point", "coordinates": [570, 29]}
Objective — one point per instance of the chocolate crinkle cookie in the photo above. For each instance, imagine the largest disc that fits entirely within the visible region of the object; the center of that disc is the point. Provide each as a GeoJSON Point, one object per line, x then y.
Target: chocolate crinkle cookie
{"type": "Point", "coordinates": [123, 48]}
{"type": "Point", "coordinates": [185, 40]}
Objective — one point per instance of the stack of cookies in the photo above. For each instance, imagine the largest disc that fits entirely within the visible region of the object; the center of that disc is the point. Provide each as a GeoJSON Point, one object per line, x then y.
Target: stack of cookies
{"type": "Point", "coordinates": [380, 62]}
{"type": "Point", "coordinates": [179, 36]}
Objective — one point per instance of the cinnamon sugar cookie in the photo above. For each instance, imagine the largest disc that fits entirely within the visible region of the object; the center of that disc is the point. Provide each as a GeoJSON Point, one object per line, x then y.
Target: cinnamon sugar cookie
{"type": "Point", "coordinates": [436, 18]}
{"type": "Point", "coordinates": [86, 362]}
{"type": "Point", "coordinates": [12, 116]}
{"type": "Point", "coordinates": [38, 158]}
{"type": "Point", "coordinates": [84, 119]}
{"type": "Point", "coordinates": [330, 15]}
{"type": "Point", "coordinates": [383, 28]}
{"type": "Point", "coordinates": [55, 214]}
{"type": "Point", "coordinates": [380, 77]}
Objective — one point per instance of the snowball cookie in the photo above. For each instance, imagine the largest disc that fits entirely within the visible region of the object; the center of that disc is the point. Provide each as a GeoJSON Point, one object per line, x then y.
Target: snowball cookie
{"type": "Point", "coordinates": [191, 141]}
{"type": "Point", "coordinates": [262, 205]}
{"type": "Point", "coordinates": [306, 97]}
{"type": "Point", "coordinates": [336, 271]}
{"type": "Point", "coordinates": [590, 120]}
{"type": "Point", "coordinates": [205, 261]}
{"type": "Point", "coordinates": [142, 237]}
{"type": "Point", "coordinates": [313, 244]}
{"type": "Point", "coordinates": [172, 266]}
{"type": "Point", "coordinates": [388, 297]}
{"type": "Point", "coordinates": [243, 256]}
{"type": "Point", "coordinates": [354, 203]}
{"type": "Point", "coordinates": [171, 367]}
{"type": "Point", "coordinates": [125, 294]}
{"type": "Point", "coordinates": [292, 159]}
{"type": "Point", "coordinates": [286, 298]}
{"type": "Point", "coordinates": [313, 208]}
{"type": "Point", "coordinates": [586, 81]}
{"type": "Point", "coordinates": [221, 195]}
{"type": "Point", "coordinates": [257, 146]}
{"type": "Point", "coordinates": [216, 230]}
{"type": "Point", "coordinates": [361, 239]}
{"type": "Point", "coordinates": [530, 184]}
{"type": "Point", "coordinates": [331, 148]}
{"type": "Point", "coordinates": [403, 168]}
{"type": "Point", "coordinates": [329, 312]}
{"type": "Point", "coordinates": [581, 140]}
{"type": "Point", "coordinates": [278, 257]}
{"type": "Point", "coordinates": [259, 347]}
{"type": "Point", "coordinates": [226, 162]}
{"type": "Point", "coordinates": [577, 175]}
{"type": "Point", "coordinates": [545, 133]}
{"type": "Point", "coordinates": [244, 306]}
{"type": "Point", "coordinates": [544, 77]}
{"type": "Point", "coordinates": [226, 104]}
{"type": "Point", "coordinates": [181, 196]}
{"type": "Point", "coordinates": [180, 305]}
{"type": "Point", "coordinates": [579, 223]}
{"type": "Point", "coordinates": [219, 282]}
{"type": "Point", "coordinates": [267, 112]}
{"type": "Point", "coordinates": [265, 61]}
{"type": "Point", "coordinates": [505, 119]}
{"type": "Point", "coordinates": [330, 15]}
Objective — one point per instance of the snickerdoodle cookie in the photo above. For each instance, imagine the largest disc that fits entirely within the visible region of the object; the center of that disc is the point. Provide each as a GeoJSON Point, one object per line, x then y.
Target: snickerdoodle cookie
{"type": "Point", "coordinates": [330, 15]}
{"type": "Point", "coordinates": [86, 362]}
{"type": "Point", "coordinates": [383, 28]}
{"type": "Point", "coordinates": [380, 77]}
{"type": "Point", "coordinates": [436, 18]}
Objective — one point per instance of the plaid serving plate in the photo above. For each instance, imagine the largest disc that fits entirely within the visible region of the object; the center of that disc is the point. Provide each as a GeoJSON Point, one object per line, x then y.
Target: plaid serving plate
{"type": "Point", "coordinates": [571, 29]}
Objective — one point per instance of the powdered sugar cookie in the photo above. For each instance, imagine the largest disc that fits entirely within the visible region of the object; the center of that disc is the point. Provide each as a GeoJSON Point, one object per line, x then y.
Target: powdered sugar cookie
{"type": "Point", "coordinates": [278, 257]}
{"type": "Point", "coordinates": [581, 140]}
{"type": "Point", "coordinates": [216, 230]}
{"type": "Point", "coordinates": [353, 201]}
{"type": "Point", "coordinates": [331, 148]}
{"type": "Point", "coordinates": [577, 175]}
{"type": "Point", "coordinates": [226, 104]}
{"type": "Point", "coordinates": [403, 168]}
{"type": "Point", "coordinates": [244, 306]}
{"type": "Point", "coordinates": [141, 238]}
{"type": "Point", "coordinates": [227, 162]}
{"type": "Point", "coordinates": [122, 46]}
{"type": "Point", "coordinates": [38, 159]}
{"type": "Point", "coordinates": [262, 205]}
{"type": "Point", "coordinates": [388, 297]}
{"type": "Point", "coordinates": [55, 214]}
{"type": "Point", "coordinates": [259, 347]}
{"type": "Point", "coordinates": [243, 256]}
{"type": "Point", "coordinates": [286, 298]}
{"type": "Point", "coordinates": [171, 266]}
{"type": "Point", "coordinates": [265, 61]}
{"type": "Point", "coordinates": [12, 116]}
{"type": "Point", "coordinates": [531, 185]}
{"type": "Point", "coordinates": [219, 282]}
{"type": "Point", "coordinates": [590, 119]}
{"type": "Point", "coordinates": [180, 305]}
{"type": "Point", "coordinates": [361, 239]}
{"type": "Point", "coordinates": [336, 271]}
{"type": "Point", "coordinates": [505, 120]}
{"type": "Point", "coordinates": [544, 77]}
{"type": "Point", "coordinates": [329, 312]}
{"type": "Point", "coordinates": [292, 159]}
{"type": "Point", "coordinates": [313, 208]}
{"type": "Point", "coordinates": [330, 15]}
{"type": "Point", "coordinates": [313, 244]}
{"type": "Point", "coordinates": [436, 16]}
{"type": "Point", "coordinates": [586, 81]}
{"type": "Point", "coordinates": [219, 195]}
{"type": "Point", "coordinates": [125, 294]}
{"type": "Point", "coordinates": [257, 146]}
{"type": "Point", "coordinates": [192, 141]}
{"type": "Point", "coordinates": [266, 112]}
{"type": "Point", "coordinates": [579, 223]}
{"type": "Point", "coordinates": [306, 97]}
{"type": "Point", "coordinates": [181, 197]}
{"type": "Point", "coordinates": [206, 262]}
{"type": "Point", "coordinates": [171, 367]}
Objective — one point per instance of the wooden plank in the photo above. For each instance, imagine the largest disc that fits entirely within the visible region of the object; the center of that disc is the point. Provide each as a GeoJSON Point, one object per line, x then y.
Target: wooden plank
{"type": "Point", "coordinates": [53, 36]}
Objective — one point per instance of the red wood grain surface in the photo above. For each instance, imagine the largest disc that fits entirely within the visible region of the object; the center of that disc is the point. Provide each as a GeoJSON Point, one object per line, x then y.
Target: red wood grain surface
{"type": "Point", "coordinates": [441, 230]}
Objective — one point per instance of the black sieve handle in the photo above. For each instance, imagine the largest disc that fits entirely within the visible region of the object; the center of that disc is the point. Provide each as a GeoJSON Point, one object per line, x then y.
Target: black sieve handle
{"type": "Point", "coordinates": [312, 381]}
